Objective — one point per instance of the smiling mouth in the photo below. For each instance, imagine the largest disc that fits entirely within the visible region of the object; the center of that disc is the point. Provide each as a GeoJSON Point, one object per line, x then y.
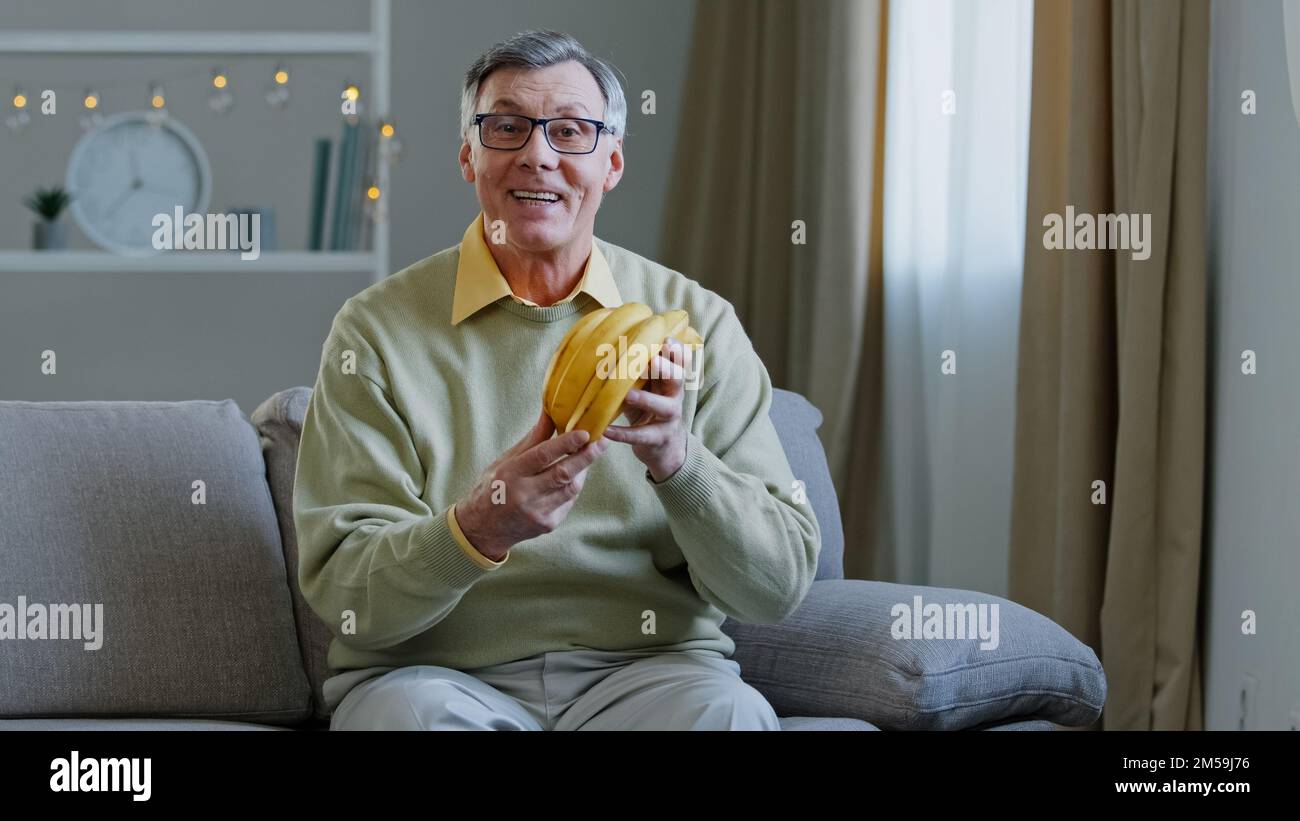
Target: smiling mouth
{"type": "Point", "coordinates": [536, 199]}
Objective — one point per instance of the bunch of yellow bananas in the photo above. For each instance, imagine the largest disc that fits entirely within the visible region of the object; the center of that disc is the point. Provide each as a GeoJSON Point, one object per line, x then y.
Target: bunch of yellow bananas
{"type": "Point", "coordinates": [584, 389]}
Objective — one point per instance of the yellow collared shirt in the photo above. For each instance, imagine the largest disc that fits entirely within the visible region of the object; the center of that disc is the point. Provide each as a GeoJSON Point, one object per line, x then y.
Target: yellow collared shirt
{"type": "Point", "coordinates": [479, 283]}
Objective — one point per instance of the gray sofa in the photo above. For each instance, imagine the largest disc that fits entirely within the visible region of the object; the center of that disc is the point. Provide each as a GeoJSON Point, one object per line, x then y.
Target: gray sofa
{"type": "Point", "coordinates": [174, 518]}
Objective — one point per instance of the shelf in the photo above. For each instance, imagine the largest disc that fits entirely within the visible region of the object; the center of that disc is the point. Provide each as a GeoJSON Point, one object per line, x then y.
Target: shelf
{"type": "Point", "coordinates": [375, 44]}
{"type": "Point", "coordinates": [78, 262]}
{"type": "Point", "coordinates": [187, 42]}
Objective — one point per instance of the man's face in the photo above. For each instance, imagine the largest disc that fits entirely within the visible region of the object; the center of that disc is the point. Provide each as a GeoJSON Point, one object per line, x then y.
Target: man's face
{"type": "Point", "coordinates": [580, 180]}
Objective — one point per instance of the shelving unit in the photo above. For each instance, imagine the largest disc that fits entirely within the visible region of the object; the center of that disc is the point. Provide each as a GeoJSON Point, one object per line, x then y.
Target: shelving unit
{"type": "Point", "coordinates": [96, 262]}
{"type": "Point", "coordinates": [375, 44]}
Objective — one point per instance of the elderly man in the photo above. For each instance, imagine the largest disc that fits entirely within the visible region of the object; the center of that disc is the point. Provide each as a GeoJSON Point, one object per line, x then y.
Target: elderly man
{"type": "Point", "coordinates": [480, 571]}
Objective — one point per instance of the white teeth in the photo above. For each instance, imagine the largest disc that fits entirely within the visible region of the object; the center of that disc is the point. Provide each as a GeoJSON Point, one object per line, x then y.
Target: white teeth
{"type": "Point", "coordinates": [546, 196]}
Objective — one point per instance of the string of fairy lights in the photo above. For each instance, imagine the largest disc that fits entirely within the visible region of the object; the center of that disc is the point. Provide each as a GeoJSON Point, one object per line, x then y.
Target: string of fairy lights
{"type": "Point", "coordinates": [220, 99]}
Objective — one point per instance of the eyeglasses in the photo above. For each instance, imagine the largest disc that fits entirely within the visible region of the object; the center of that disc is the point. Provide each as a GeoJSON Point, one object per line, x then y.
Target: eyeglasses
{"type": "Point", "coordinates": [567, 135]}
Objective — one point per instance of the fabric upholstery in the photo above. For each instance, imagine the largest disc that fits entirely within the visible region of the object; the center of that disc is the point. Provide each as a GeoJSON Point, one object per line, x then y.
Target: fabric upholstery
{"type": "Point", "coordinates": [796, 421]}
{"type": "Point", "coordinates": [836, 656]}
{"type": "Point", "coordinates": [99, 505]}
{"type": "Point", "coordinates": [278, 421]}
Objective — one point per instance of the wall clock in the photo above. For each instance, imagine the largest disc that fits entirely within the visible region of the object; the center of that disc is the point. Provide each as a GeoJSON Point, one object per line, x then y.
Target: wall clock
{"type": "Point", "coordinates": [130, 168]}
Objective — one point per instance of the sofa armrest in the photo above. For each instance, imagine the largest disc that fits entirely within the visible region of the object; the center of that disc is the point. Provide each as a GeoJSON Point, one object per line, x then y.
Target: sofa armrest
{"type": "Point", "coordinates": [279, 425]}
{"type": "Point", "coordinates": [847, 651]}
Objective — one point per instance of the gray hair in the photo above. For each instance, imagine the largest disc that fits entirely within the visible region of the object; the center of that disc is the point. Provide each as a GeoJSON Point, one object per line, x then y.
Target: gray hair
{"type": "Point", "coordinates": [535, 50]}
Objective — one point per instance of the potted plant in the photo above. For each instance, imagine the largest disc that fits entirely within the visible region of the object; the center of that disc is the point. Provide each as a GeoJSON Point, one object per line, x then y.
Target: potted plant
{"type": "Point", "coordinates": [48, 233]}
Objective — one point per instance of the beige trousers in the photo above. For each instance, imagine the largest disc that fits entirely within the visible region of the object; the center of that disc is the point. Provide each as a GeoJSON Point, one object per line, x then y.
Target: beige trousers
{"type": "Point", "coordinates": [567, 690]}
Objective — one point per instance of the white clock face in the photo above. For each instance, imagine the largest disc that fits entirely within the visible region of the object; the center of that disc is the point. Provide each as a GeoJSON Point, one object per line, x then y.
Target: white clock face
{"type": "Point", "coordinates": [130, 169]}
{"type": "Point", "coordinates": [1291, 32]}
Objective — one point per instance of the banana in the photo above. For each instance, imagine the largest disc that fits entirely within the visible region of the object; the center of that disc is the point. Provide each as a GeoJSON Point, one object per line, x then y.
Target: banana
{"type": "Point", "coordinates": [580, 331]}
{"type": "Point", "coordinates": [575, 342]}
{"type": "Point", "coordinates": [555, 356]}
{"type": "Point", "coordinates": [677, 323]}
{"type": "Point", "coordinates": [674, 322]}
{"type": "Point", "coordinates": [572, 379]}
{"type": "Point", "coordinates": [607, 401]}
{"type": "Point", "coordinates": [577, 393]}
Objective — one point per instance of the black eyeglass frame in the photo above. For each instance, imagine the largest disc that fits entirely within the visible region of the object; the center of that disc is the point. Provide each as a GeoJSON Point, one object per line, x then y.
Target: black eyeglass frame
{"type": "Point", "coordinates": [542, 121]}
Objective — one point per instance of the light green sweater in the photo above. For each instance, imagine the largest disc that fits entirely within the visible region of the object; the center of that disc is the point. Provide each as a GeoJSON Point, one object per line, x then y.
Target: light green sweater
{"type": "Point", "coordinates": [388, 449]}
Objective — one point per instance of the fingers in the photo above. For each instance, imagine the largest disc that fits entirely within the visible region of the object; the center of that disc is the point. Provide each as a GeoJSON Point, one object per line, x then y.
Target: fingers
{"type": "Point", "coordinates": [660, 405]}
{"type": "Point", "coordinates": [677, 351]}
{"type": "Point", "coordinates": [567, 469]}
{"type": "Point", "coordinates": [687, 355]}
{"type": "Point", "coordinates": [655, 435]}
{"type": "Point", "coordinates": [544, 475]}
{"type": "Point", "coordinates": [636, 417]}
{"type": "Point", "coordinates": [540, 456]}
{"type": "Point", "coordinates": [667, 372]}
{"type": "Point", "coordinates": [566, 477]}
{"type": "Point", "coordinates": [684, 355]}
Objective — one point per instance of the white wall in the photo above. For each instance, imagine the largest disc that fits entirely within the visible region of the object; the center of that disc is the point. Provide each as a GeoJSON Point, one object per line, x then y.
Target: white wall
{"type": "Point", "coordinates": [245, 336]}
{"type": "Point", "coordinates": [1253, 558]}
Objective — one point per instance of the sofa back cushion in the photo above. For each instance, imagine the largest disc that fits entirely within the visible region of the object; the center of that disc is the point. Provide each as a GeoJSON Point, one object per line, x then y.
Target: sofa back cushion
{"type": "Point", "coordinates": [154, 519]}
{"type": "Point", "coordinates": [279, 425]}
{"type": "Point", "coordinates": [796, 421]}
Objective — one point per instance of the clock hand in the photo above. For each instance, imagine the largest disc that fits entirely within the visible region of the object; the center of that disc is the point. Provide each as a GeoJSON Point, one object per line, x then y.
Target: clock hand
{"type": "Point", "coordinates": [125, 195]}
{"type": "Point", "coordinates": [165, 191]}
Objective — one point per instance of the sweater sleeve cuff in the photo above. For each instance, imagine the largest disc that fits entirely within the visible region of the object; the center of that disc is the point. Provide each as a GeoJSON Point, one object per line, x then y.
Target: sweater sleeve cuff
{"type": "Point", "coordinates": [692, 486]}
{"type": "Point", "coordinates": [438, 551]}
{"type": "Point", "coordinates": [461, 540]}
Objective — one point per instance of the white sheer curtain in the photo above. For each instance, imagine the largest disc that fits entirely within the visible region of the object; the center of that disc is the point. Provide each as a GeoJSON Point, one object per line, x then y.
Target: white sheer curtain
{"type": "Point", "coordinates": [956, 155]}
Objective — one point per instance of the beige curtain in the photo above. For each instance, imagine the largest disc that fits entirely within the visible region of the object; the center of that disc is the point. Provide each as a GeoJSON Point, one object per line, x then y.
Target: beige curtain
{"type": "Point", "coordinates": [783, 121]}
{"type": "Point", "coordinates": [1113, 350]}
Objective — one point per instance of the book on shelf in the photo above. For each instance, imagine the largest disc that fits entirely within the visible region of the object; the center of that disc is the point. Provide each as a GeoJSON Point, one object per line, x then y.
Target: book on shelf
{"type": "Point", "coordinates": [364, 175]}
{"type": "Point", "coordinates": [343, 203]}
{"type": "Point", "coordinates": [319, 189]}
{"type": "Point", "coordinates": [344, 186]}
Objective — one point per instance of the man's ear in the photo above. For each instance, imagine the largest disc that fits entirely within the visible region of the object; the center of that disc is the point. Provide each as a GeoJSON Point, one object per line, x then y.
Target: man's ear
{"type": "Point", "coordinates": [615, 172]}
{"type": "Point", "coordinates": [466, 159]}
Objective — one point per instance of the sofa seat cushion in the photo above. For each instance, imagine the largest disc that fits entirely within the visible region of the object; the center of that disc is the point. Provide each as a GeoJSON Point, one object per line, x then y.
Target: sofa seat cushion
{"type": "Point", "coordinates": [127, 724]}
{"type": "Point", "coordinates": [150, 524]}
{"type": "Point", "coordinates": [824, 724]}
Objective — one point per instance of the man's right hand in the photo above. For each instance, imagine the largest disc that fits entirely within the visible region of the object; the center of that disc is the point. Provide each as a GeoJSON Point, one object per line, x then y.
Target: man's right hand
{"type": "Point", "coordinates": [542, 476]}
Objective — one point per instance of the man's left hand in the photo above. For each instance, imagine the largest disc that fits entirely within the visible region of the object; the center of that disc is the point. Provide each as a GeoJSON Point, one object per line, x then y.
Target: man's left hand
{"type": "Point", "coordinates": [657, 433]}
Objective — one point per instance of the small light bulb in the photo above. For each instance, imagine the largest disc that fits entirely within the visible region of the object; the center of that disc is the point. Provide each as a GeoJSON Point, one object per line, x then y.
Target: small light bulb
{"type": "Point", "coordinates": [156, 97]}
{"type": "Point", "coordinates": [221, 99]}
{"type": "Point", "coordinates": [387, 129]}
{"type": "Point", "coordinates": [281, 74]}
{"type": "Point", "coordinates": [20, 99]}
{"type": "Point", "coordinates": [373, 192]}
{"type": "Point", "coordinates": [352, 92]}
{"type": "Point", "coordinates": [91, 117]}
